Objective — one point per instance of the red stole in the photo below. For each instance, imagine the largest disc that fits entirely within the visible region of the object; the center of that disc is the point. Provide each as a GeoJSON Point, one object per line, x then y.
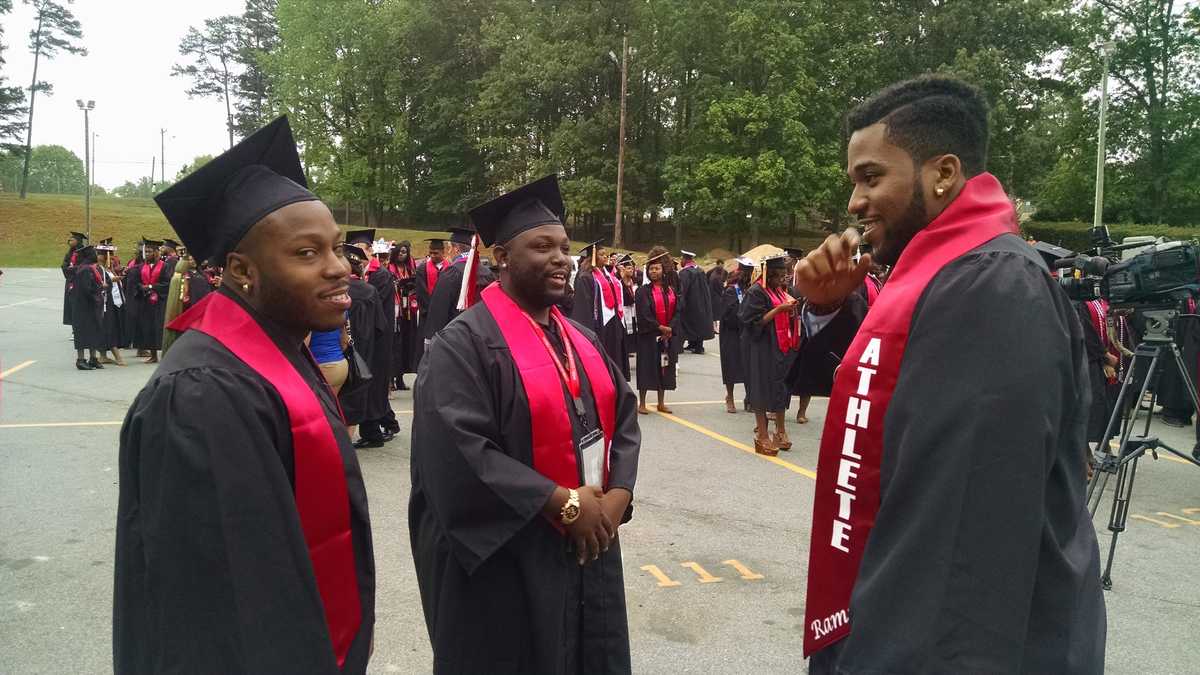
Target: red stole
{"type": "Point", "coordinates": [664, 307]}
{"type": "Point", "coordinates": [150, 274]}
{"type": "Point", "coordinates": [873, 288]}
{"type": "Point", "coordinates": [403, 272]}
{"type": "Point", "coordinates": [431, 275]}
{"type": "Point", "coordinates": [786, 334]}
{"type": "Point", "coordinates": [609, 290]}
{"type": "Point", "coordinates": [847, 492]}
{"type": "Point", "coordinates": [1098, 311]}
{"type": "Point", "coordinates": [322, 500]}
{"type": "Point", "coordinates": [553, 444]}
{"type": "Point", "coordinates": [373, 265]}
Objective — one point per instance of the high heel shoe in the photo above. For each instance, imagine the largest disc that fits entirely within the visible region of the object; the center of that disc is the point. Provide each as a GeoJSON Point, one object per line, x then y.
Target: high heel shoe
{"type": "Point", "coordinates": [82, 364]}
{"type": "Point", "coordinates": [765, 448]}
{"type": "Point", "coordinates": [781, 440]}
{"type": "Point", "coordinates": [729, 406]}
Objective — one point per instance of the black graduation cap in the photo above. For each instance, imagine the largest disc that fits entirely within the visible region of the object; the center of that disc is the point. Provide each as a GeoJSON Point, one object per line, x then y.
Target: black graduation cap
{"type": "Point", "coordinates": [436, 242]}
{"type": "Point", "coordinates": [151, 242]}
{"type": "Point", "coordinates": [352, 251]}
{"type": "Point", "coordinates": [686, 254]}
{"type": "Point", "coordinates": [587, 250]}
{"type": "Point", "coordinates": [86, 254]}
{"type": "Point", "coordinates": [79, 236]}
{"type": "Point", "coordinates": [170, 243]}
{"type": "Point", "coordinates": [360, 237]}
{"type": "Point", "coordinates": [625, 260]}
{"type": "Point", "coordinates": [796, 253]}
{"type": "Point", "coordinates": [743, 261]}
{"type": "Point", "coordinates": [461, 235]}
{"type": "Point", "coordinates": [656, 258]}
{"type": "Point", "coordinates": [529, 206]}
{"type": "Point", "coordinates": [106, 245]}
{"type": "Point", "coordinates": [776, 260]}
{"type": "Point", "coordinates": [214, 207]}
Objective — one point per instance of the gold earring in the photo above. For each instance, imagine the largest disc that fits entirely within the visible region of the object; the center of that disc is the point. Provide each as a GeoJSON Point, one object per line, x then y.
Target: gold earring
{"type": "Point", "coordinates": [940, 191]}
{"type": "Point", "coordinates": [246, 288]}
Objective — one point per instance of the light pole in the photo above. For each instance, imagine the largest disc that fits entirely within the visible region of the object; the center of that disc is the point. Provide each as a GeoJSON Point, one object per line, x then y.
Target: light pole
{"type": "Point", "coordinates": [87, 165]}
{"type": "Point", "coordinates": [1098, 217]}
{"type": "Point", "coordinates": [621, 143]}
{"type": "Point", "coordinates": [162, 156]}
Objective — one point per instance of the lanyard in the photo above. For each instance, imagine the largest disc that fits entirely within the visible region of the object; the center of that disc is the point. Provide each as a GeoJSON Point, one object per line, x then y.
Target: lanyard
{"type": "Point", "coordinates": [569, 373]}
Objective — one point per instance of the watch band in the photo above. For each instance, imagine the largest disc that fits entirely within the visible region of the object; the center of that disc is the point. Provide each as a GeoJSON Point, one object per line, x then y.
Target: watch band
{"type": "Point", "coordinates": [570, 509]}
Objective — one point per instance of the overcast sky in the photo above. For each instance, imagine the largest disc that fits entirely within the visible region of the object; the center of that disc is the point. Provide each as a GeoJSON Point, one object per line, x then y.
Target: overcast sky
{"type": "Point", "coordinates": [131, 45]}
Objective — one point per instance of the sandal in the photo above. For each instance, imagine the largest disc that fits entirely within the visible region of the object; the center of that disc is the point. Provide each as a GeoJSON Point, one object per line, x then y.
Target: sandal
{"type": "Point", "coordinates": [765, 448]}
{"type": "Point", "coordinates": [781, 440]}
{"type": "Point", "coordinates": [665, 410]}
{"type": "Point", "coordinates": [801, 419]}
{"type": "Point", "coordinates": [729, 406]}
{"type": "Point", "coordinates": [642, 410]}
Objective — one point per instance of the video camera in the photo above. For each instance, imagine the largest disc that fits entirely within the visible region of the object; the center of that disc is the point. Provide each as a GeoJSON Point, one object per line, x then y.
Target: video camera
{"type": "Point", "coordinates": [1148, 278]}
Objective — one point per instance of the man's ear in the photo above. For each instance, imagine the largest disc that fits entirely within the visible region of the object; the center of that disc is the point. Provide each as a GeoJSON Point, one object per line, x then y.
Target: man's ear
{"type": "Point", "coordinates": [240, 270]}
{"type": "Point", "coordinates": [500, 254]}
{"type": "Point", "coordinates": [947, 173]}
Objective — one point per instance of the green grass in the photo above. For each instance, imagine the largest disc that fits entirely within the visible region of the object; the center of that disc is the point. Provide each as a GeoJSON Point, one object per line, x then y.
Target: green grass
{"type": "Point", "coordinates": [34, 231]}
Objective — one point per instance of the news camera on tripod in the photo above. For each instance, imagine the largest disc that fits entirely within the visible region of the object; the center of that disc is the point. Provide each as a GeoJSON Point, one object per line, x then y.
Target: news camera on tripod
{"type": "Point", "coordinates": [1155, 290]}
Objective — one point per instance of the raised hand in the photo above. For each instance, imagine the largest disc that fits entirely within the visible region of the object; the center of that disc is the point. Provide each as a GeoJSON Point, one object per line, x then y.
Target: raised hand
{"type": "Point", "coordinates": [828, 274]}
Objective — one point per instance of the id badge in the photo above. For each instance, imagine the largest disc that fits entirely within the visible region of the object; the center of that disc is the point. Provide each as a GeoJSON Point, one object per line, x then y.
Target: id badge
{"type": "Point", "coordinates": [666, 360]}
{"type": "Point", "coordinates": [591, 452]}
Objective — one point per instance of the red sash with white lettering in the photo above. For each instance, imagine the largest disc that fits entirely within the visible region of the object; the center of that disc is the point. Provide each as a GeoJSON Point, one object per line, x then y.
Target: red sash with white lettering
{"type": "Point", "coordinates": [553, 444]}
{"type": "Point", "coordinates": [847, 493]}
{"type": "Point", "coordinates": [322, 499]}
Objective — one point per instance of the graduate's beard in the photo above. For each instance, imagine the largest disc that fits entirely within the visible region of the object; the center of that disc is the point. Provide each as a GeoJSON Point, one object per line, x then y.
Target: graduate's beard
{"type": "Point", "coordinates": [899, 233]}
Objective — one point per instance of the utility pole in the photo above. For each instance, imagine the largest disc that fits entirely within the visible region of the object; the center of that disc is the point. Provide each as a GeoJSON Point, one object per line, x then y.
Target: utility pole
{"type": "Point", "coordinates": [1098, 217]}
{"type": "Point", "coordinates": [617, 235]}
{"type": "Point", "coordinates": [87, 166]}
{"type": "Point", "coordinates": [162, 157]}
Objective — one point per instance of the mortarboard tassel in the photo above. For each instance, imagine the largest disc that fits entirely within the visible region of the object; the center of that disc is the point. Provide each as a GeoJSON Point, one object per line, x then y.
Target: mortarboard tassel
{"type": "Point", "coordinates": [468, 294]}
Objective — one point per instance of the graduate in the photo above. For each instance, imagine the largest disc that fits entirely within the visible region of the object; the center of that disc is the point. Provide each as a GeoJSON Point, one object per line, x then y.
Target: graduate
{"type": "Point", "coordinates": [771, 335]}
{"type": "Point", "coordinates": [367, 322]}
{"type": "Point", "coordinates": [627, 272]}
{"type": "Point", "coordinates": [114, 322]}
{"type": "Point", "coordinates": [75, 243]}
{"type": "Point", "coordinates": [444, 301]}
{"type": "Point", "coordinates": [243, 540]}
{"type": "Point", "coordinates": [950, 529]}
{"type": "Point", "coordinates": [174, 298]}
{"type": "Point", "coordinates": [524, 458]}
{"type": "Point", "coordinates": [151, 284]}
{"type": "Point", "coordinates": [823, 342]}
{"type": "Point", "coordinates": [658, 339]}
{"type": "Point", "coordinates": [172, 250]}
{"type": "Point", "coordinates": [381, 425]}
{"type": "Point", "coordinates": [404, 340]}
{"type": "Point", "coordinates": [428, 273]}
{"type": "Point", "coordinates": [695, 304]}
{"type": "Point", "coordinates": [600, 304]}
{"type": "Point", "coordinates": [88, 299]}
{"type": "Point", "coordinates": [733, 371]}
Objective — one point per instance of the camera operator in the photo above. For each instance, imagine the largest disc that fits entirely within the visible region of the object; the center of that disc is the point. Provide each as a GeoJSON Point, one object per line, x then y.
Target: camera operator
{"type": "Point", "coordinates": [1177, 405]}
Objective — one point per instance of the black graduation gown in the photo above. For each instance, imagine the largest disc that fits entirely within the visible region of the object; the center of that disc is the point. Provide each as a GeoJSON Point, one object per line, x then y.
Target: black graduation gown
{"type": "Point", "coordinates": [424, 295]}
{"type": "Point", "coordinates": [651, 376]}
{"type": "Point", "coordinates": [732, 369]}
{"type": "Point", "coordinates": [820, 354]}
{"type": "Point", "coordinates": [983, 558]}
{"type": "Point", "coordinates": [148, 330]}
{"type": "Point", "coordinates": [586, 311]}
{"type": "Point", "coordinates": [1172, 392]}
{"type": "Point", "coordinates": [114, 316]}
{"type": "Point", "coordinates": [1095, 382]}
{"type": "Point", "coordinates": [765, 367]}
{"type": "Point", "coordinates": [406, 340]}
{"type": "Point", "coordinates": [695, 305]}
{"type": "Point", "coordinates": [366, 329]}
{"type": "Point", "coordinates": [378, 406]}
{"type": "Point", "coordinates": [87, 308]}
{"type": "Point", "coordinates": [133, 302]}
{"type": "Point", "coordinates": [499, 585]}
{"type": "Point", "coordinates": [68, 270]}
{"type": "Point", "coordinates": [198, 287]}
{"type": "Point", "coordinates": [443, 303]}
{"type": "Point", "coordinates": [212, 571]}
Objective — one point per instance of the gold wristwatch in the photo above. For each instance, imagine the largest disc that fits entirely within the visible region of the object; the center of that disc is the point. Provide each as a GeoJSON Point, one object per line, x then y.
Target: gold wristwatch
{"type": "Point", "coordinates": [570, 510]}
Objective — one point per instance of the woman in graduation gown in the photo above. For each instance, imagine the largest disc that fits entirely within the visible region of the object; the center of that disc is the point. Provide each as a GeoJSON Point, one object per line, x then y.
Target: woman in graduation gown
{"type": "Point", "coordinates": [110, 267]}
{"type": "Point", "coordinates": [88, 302]}
{"type": "Point", "coordinates": [513, 519]}
{"type": "Point", "coordinates": [75, 243]}
{"type": "Point", "coordinates": [366, 320]}
{"type": "Point", "coordinates": [823, 341]}
{"type": "Point", "coordinates": [772, 339]}
{"type": "Point", "coordinates": [658, 343]}
{"type": "Point", "coordinates": [406, 337]}
{"type": "Point", "coordinates": [243, 539]}
{"type": "Point", "coordinates": [729, 305]}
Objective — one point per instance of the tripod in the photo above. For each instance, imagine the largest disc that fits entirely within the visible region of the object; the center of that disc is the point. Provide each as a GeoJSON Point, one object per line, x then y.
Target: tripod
{"type": "Point", "coordinates": [1160, 350]}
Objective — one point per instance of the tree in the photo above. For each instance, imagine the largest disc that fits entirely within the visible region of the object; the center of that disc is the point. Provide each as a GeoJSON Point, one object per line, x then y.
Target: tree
{"type": "Point", "coordinates": [12, 100]}
{"type": "Point", "coordinates": [144, 188]}
{"type": "Point", "coordinates": [257, 36]}
{"type": "Point", "coordinates": [213, 55]}
{"type": "Point", "coordinates": [56, 28]}
{"type": "Point", "coordinates": [54, 169]}
{"type": "Point", "coordinates": [191, 166]}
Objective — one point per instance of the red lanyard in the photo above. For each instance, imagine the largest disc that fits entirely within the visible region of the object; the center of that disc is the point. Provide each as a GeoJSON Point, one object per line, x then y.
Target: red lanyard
{"type": "Point", "coordinates": [569, 373]}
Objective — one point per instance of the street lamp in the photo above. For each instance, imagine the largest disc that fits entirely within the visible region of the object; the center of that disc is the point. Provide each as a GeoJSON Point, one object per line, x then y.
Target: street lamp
{"type": "Point", "coordinates": [1106, 49]}
{"type": "Point", "coordinates": [87, 165]}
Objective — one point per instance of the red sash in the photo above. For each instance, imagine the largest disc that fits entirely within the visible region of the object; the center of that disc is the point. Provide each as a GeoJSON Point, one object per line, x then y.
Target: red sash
{"type": "Point", "coordinates": [150, 274]}
{"type": "Point", "coordinates": [609, 291]}
{"type": "Point", "coordinates": [321, 496]}
{"type": "Point", "coordinates": [431, 275]}
{"type": "Point", "coordinates": [873, 288]}
{"type": "Point", "coordinates": [1098, 311]}
{"type": "Point", "coordinates": [847, 492]}
{"type": "Point", "coordinates": [664, 310]}
{"type": "Point", "coordinates": [373, 265]}
{"type": "Point", "coordinates": [553, 444]}
{"type": "Point", "coordinates": [785, 323]}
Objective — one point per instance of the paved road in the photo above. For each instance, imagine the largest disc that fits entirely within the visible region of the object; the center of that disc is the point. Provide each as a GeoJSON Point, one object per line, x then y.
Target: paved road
{"type": "Point", "coordinates": [714, 560]}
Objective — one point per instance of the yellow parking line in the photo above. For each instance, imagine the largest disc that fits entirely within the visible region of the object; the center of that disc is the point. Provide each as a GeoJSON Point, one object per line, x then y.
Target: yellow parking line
{"type": "Point", "coordinates": [1173, 458]}
{"type": "Point", "coordinates": [740, 446]}
{"type": "Point", "coordinates": [18, 367]}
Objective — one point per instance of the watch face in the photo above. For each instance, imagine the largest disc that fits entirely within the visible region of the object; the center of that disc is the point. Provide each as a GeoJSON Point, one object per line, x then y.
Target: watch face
{"type": "Point", "coordinates": [571, 512]}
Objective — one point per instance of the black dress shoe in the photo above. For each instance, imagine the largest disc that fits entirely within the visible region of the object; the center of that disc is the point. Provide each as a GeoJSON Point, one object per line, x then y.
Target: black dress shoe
{"type": "Point", "coordinates": [82, 364]}
{"type": "Point", "coordinates": [95, 364]}
{"type": "Point", "coordinates": [1174, 422]}
{"type": "Point", "coordinates": [388, 436]}
{"type": "Point", "coordinates": [364, 443]}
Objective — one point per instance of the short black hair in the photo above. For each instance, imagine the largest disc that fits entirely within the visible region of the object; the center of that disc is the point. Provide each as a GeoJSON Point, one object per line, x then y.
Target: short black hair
{"type": "Point", "coordinates": [930, 115]}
